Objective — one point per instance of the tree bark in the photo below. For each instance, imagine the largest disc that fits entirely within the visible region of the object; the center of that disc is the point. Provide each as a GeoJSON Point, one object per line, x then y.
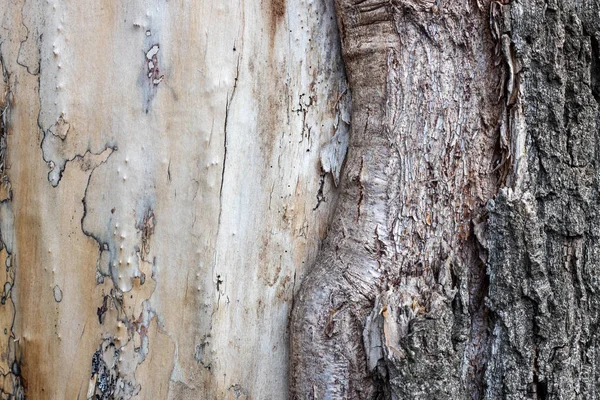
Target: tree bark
{"type": "Point", "coordinates": [162, 192]}
{"type": "Point", "coordinates": [168, 172]}
{"type": "Point", "coordinates": [543, 236]}
{"type": "Point", "coordinates": [462, 258]}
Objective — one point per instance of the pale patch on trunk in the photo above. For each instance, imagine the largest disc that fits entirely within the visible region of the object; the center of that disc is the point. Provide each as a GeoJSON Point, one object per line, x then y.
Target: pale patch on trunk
{"type": "Point", "coordinates": [167, 192]}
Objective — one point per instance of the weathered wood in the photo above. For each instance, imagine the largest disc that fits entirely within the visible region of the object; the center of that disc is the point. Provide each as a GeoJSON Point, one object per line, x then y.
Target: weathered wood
{"type": "Point", "coordinates": [163, 192]}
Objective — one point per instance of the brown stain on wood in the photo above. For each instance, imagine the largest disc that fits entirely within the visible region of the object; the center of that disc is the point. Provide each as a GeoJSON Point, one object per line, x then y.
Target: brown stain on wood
{"type": "Point", "coordinates": [276, 14]}
{"type": "Point", "coordinates": [276, 11]}
{"type": "Point", "coordinates": [272, 121]}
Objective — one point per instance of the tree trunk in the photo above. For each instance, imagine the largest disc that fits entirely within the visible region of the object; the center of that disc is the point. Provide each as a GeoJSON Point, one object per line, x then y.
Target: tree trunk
{"type": "Point", "coordinates": [168, 172]}
{"type": "Point", "coordinates": [162, 192]}
{"type": "Point", "coordinates": [462, 260]}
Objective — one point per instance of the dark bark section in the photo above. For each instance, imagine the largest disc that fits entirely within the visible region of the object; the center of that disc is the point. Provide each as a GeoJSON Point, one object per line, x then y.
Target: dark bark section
{"type": "Point", "coordinates": [543, 240]}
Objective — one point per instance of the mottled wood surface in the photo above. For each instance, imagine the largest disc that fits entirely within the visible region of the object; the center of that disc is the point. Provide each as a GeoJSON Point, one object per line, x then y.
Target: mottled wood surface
{"type": "Point", "coordinates": [162, 192]}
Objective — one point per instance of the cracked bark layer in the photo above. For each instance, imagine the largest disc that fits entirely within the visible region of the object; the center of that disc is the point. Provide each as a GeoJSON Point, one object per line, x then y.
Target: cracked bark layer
{"type": "Point", "coordinates": [543, 237]}
{"type": "Point", "coordinates": [394, 306]}
{"type": "Point", "coordinates": [464, 301]}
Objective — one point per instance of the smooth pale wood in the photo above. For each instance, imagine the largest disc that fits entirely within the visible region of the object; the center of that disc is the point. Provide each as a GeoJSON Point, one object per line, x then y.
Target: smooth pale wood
{"type": "Point", "coordinates": [201, 184]}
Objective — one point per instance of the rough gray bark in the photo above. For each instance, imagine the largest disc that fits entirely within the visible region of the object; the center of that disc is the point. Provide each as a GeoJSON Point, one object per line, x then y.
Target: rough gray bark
{"type": "Point", "coordinates": [462, 261]}
{"type": "Point", "coordinates": [543, 239]}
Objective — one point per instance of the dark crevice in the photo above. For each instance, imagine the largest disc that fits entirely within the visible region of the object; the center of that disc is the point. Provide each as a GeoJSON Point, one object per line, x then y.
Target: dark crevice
{"type": "Point", "coordinates": [229, 100]}
{"type": "Point", "coordinates": [225, 142]}
{"type": "Point", "coordinates": [480, 322]}
{"type": "Point", "coordinates": [320, 195]}
{"type": "Point", "coordinates": [595, 67]}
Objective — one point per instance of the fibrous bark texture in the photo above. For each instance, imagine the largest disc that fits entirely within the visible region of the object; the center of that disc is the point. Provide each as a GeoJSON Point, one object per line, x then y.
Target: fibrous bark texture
{"type": "Point", "coordinates": [394, 303]}
{"type": "Point", "coordinates": [462, 260]}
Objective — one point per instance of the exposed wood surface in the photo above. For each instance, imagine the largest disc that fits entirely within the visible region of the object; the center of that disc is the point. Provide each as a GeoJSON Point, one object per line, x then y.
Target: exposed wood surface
{"type": "Point", "coordinates": [163, 192]}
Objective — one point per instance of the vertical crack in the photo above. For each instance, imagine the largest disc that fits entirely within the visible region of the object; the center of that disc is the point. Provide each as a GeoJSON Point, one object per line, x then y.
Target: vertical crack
{"type": "Point", "coordinates": [227, 106]}
{"type": "Point", "coordinates": [225, 142]}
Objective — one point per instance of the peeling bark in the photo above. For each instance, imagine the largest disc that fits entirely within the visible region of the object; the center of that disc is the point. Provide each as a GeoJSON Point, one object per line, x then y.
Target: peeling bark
{"type": "Point", "coordinates": [401, 253]}
{"type": "Point", "coordinates": [168, 172]}
{"type": "Point", "coordinates": [460, 261]}
{"type": "Point", "coordinates": [11, 384]}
